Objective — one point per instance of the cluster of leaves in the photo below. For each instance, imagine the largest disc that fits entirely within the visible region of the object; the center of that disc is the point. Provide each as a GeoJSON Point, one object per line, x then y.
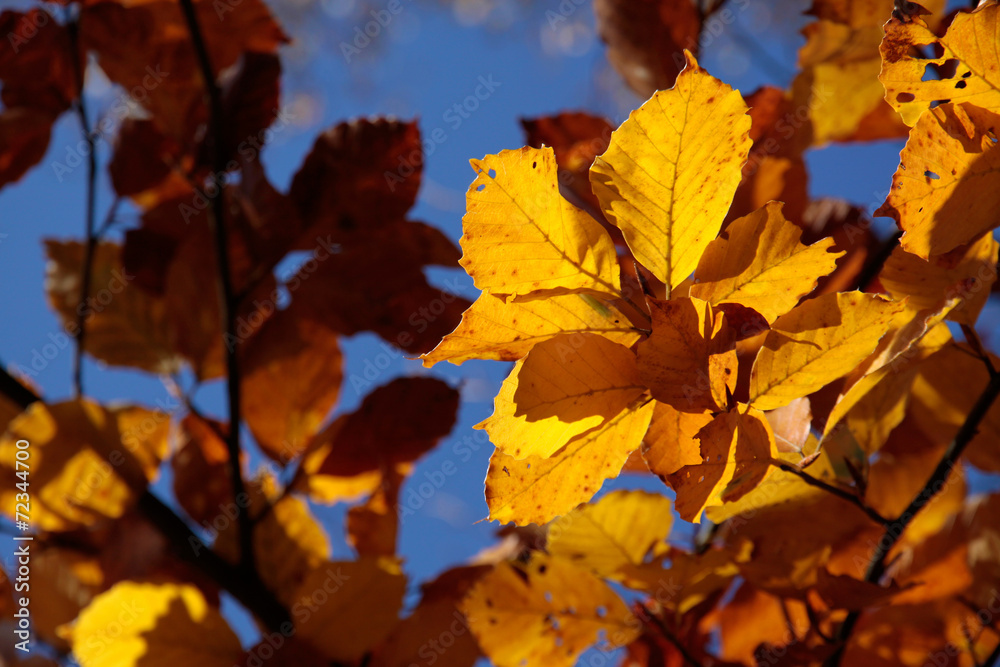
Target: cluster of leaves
{"type": "Point", "coordinates": [787, 376]}
{"type": "Point", "coordinates": [666, 315]}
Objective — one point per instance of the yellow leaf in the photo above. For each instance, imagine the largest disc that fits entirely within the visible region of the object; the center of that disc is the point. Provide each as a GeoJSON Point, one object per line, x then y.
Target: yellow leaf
{"type": "Point", "coordinates": [838, 82]}
{"type": "Point", "coordinates": [967, 273]}
{"type": "Point", "coordinates": [970, 40]}
{"type": "Point", "coordinates": [945, 191]}
{"type": "Point", "coordinates": [736, 453]}
{"type": "Point", "coordinates": [86, 461]}
{"type": "Point", "coordinates": [911, 338]}
{"type": "Point", "coordinates": [670, 173]}
{"type": "Point", "coordinates": [494, 329]}
{"type": "Point", "coordinates": [670, 443]}
{"type": "Point", "coordinates": [947, 386]}
{"type": "Point", "coordinates": [564, 387]}
{"type": "Point", "coordinates": [153, 625]}
{"type": "Point", "coordinates": [689, 361]}
{"type": "Point", "coordinates": [536, 490]}
{"type": "Point", "coordinates": [290, 380]}
{"type": "Point", "coordinates": [345, 609]}
{"type": "Point", "coordinates": [522, 239]}
{"type": "Point", "coordinates": [760, 262]}
{"type": "Point", "coordinates": [779, 488]}
{"type": "Point", "coordinates": [547, 615]}
{"type": "Point", "coordinates": [816, 343]}
{"type": "Point", "coordinates": [612, 535]}
{"type": "Point", "coordinates": [880, 410]}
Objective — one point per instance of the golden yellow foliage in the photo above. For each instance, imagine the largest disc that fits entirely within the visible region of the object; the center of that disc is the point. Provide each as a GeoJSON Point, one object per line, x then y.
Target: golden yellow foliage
{"type": "Point", "coordinates": [657, 182]}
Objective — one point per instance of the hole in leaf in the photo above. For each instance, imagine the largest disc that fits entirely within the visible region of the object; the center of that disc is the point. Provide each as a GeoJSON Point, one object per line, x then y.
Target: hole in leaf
{"type": "Point", "coordinates": [482, 186]}
{"type": "Point", "coordinates": [493, 173]}
{"type": "Point", "coordinates": [905, 97]}
{"type": "Point", "coordinates": [960, 84]}
{"type": "Point", "coordinates": [548, 596]}
{"type": "Point", "coordinates": [601, 611]}
{"type": "Point", "coordinates": [967, 74]}
{"type": "Point", "coordinates": [931, 174]}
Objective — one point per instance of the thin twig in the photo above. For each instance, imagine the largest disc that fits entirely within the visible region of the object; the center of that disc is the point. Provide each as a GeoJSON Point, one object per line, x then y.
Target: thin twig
{"type": "Point", "coordinates": [227, 299]}
{"type": "Point", "coordinates": [972, 338]}
{"type": "Point", "coordinates": [934, 484]}
{"type": "Point", "coordinates": [830, 488]}
{"type": "Point", "coordinates": [662, 628]}
{"type": "Point", "coordinates": [245, 587]}
{"type": "Point", "coordinates": [86, 270]}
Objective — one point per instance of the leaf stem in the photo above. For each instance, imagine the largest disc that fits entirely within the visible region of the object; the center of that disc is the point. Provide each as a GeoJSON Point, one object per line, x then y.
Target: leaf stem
{"type": "Point", "coordinates": [895, 529]}
{"type": "Point", "coordinates": [86, 270]}
{"type": "Point", "coordinates": [830, 488]}
{"type": "Point", "coordinates": [227, 300]}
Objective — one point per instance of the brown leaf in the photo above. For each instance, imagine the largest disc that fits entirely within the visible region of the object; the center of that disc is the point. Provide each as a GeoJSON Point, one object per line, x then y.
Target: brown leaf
{"type": "Point", "coordinates": [646, 39]}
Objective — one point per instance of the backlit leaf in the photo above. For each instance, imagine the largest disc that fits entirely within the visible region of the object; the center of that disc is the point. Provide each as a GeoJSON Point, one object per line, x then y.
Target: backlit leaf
{"type": "Point", "coordinates": [969, 41]}
{"type": "Point", "coordinates": [612, 534]}
{"type": "Point", "coordinates": [944, 193]}
{"type": "Point", "coordinates": [760, 262]}
{"type": "Point", "coordinates": [659, 184]}
{"type": "Point", "coordinates": [689, 361]}
{"type": "Point", "coordinates": [494, 329]}
{"type": "Point", "coordinates": [816, 343]}
{"type": "Point", "coordinates": [522, 239]}
{"type": "Point", "coordinates": [564, 387]}
{"type": "Point", "coordinates": [536, 490]}
{"type": "Point", "coordinates": [159, 625]}
{"type": "Point", "coordinates": [546, 615]}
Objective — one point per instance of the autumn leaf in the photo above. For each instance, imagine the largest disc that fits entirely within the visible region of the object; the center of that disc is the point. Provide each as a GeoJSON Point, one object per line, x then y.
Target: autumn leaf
{"type": "Point", "coordinates": [360, 598]}
{"type": "Point", "coordinates": [816, 343]}
{"type": "Point", "coordinates": [736, 450]}
{"type": "Point", "coordinates": [670, 444]}
{"type": "Point", "coordinates": [975, 78]}
{"type": "Point", "coordinates": [159, 625]}
{"type": "Point", "coordinates": [759, 262]}
{"type": "Point", "coordinates": [613, 535]}
{"type": "Point", "coordinates": [522, 240]}
{"type": "Point", "coordinates": [436, 615]}
{"type": "Point", "coordinates": [291, 379]}
{"type": "Point", "coordinates": [944, 193]}
{"type": "Point", "coordinates": [657, 182]}
{"type": "Point", "coordinates": [90, 461]}
{"type": "Point", "coordinates": [129, 328]}
{"type": "Point", "coordinates": [494, 329]}
{"type": "Point", "coordinates": [576, 138]}
{"type": "Point", "coordinates": [348, 458]}
{"type": "Point", "coordinates": [564, 387]}
{"type": "Point", "coordinates": [689, 360]}
{"type": "Point", "coordinates": [536, 490]}
{"type": "Point", "coordinates": [200, 468]}
{"type": "Point", "coordinates": [944, 391]}
{"type": "Point", "coordinates": [967, 272]}
{"type": "Point", "coordinates": [512, 617]}
{"type": "Point", "coordinates": [646, 39]}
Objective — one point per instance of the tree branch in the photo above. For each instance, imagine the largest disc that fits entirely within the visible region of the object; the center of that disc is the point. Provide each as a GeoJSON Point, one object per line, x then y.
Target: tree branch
{"type": "Point", "coordinates": [894, 530]}
{"type": "Point", "coordinates": [665, 632]}
{"type": "Point", "coordinates": [247, 588]}
{"type": "Point", "coordinates": [86, 271]}
{"type": "Point", "coordinates": [830, 488]}
{"type": "Point", "coordinates": [227, 300]}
